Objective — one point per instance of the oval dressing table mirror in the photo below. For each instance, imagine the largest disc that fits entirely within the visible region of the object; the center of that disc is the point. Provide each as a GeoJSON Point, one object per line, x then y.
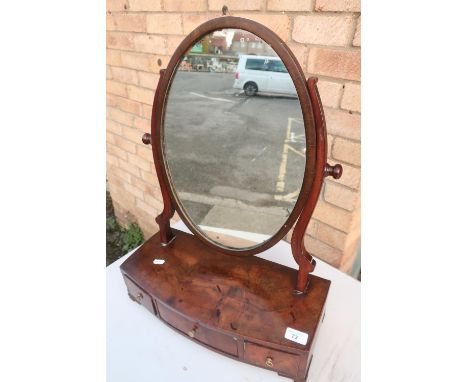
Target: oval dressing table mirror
{"type": "Point", "coordinates": [239, 145]}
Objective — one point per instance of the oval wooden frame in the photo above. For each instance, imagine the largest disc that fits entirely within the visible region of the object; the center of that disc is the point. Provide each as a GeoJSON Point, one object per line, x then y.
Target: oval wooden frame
{"type": "Point", "coordinates": [316, 147]}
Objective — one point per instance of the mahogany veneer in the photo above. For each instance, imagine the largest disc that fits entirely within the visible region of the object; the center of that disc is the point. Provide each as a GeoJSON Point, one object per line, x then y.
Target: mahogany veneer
{"type": "Point", "coordinates": [240, 307]}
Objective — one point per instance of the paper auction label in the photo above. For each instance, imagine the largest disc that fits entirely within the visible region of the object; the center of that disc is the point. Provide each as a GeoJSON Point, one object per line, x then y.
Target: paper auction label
{"type": "Point", "coordinates": [296, 336]}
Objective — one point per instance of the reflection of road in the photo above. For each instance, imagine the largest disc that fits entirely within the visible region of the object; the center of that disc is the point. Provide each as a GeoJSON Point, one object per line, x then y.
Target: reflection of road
{"type": "Point", "coordinates": [225, 152]}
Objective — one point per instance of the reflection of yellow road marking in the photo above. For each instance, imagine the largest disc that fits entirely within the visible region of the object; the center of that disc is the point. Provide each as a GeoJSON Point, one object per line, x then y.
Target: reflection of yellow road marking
{"type": "Point", "coordinates": [284, 161]}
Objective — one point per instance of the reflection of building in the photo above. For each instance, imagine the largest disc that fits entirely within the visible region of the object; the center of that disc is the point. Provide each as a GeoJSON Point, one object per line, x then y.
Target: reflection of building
{"type": "Point", "coordinates": [245, 42]}
{"type": "Point", "coordinates": [219, 51]}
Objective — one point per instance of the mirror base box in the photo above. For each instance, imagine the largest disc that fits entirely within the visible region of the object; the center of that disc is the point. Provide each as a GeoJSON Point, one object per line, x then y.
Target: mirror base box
{"type": "Point", "coordinates": [241, 307]}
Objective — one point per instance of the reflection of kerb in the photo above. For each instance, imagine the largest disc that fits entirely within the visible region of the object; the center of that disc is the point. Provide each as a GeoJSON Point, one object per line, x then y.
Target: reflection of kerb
{"type": "Point", "coordinates": [252, 238]}
{"type": "Point", "coordinates": [228, 202]}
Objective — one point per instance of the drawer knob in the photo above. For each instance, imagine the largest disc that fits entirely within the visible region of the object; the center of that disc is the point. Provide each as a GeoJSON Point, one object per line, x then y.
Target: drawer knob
{"type": "Point", "coordinates": [139, 297]}
{"type": "Point", "coordinates": [269, 361]}
{"type": "Point", "coordinates": [192, 332]}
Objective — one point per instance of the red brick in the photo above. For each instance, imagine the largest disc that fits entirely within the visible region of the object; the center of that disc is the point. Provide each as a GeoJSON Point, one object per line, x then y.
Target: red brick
{"type": "Point", "coordinates": [140, 61]}
{"type": "Point", "coordinates": [331, 236]}
{"type": "Point", "coordinates": [145, 5]}
{"type": "Point", "coordinates": [114, 127]}
{"type": "Point", "coordinates": [139, 162]}
{"type": "Point", "coordinates": [338, 5]}
{"type": "Point", "coordinates": [192, 21]}
{"type": "Point", "coordinates": [344, 64]}
{"type": "Point", "coordinates": [288, 5]}
{"type": "Point", "coordinates": [124, 144]}
{"type": "Point", "coordinates": [333, 216]}
{"type": "Point", "coordinates": [352, 97]}
{"type": "Point", "coordinates": [120, 116]}
{"type": "Point", "coordinates": [312, 227]}
{"type": "Point", "coordinates": [166, 23]}
{"type": "Point", "coordinates": [340, 196]}
{"type": "Point", "coordinates": [150, 177]}
{"type": "Point", "coordinates": [132, 134]}
{"type": "Point", "coordinates": [299, 52]}
{"type": "Point", "coordinates": [323, 29]}
{"type": "Point", "coordinates": [140, 94]}
{"type": "Point", "coordinates": [122, 174]}
{"type": "Point", "coordinates": [150, 44]}
{"type": "Point", "coordinates": [142, 185]}
{"type": "Point", "coordinates": [330, 140]}
{"type": "Point", "coordinates": [173, 42]}
{"type": "Point", "coordinates": [121, 196]}
{"type": "Point", "coordinates": [133, 190]}
{"type": "Point", "coordinates": [323, 251]}
{"type": "Point", "coordinates": [148, 80]}
{"type": "Point", "coordinates": [280, 24]}
{"type": "Point", "coordinates": [116, 88]}
{"type": "Point", "coordinates": [130, 168]}
{"type": "Point", "coordinates": [343, 124]}
{"type": "Point", "coordinates": [123, 104]}
{"type": "Point", "coordinates": [108, 72]}
{"type": "Point", "coordinates": [128, 22]}
{"type": "Point", "coordinates": [154, 201]}
{"type": "Point", "coordinates": [116, 5]}
{"type": "Point", "coordinates": [330, 93]}
{"type": "Point", "coordinates": [110, 137]}
{"type": "Point", "coordinates": [117, 151]}
{"type": "Point", "coordinates": [119, 40]}
{"type": "Point", "coordinates": [113, 57]}
{"type": "Point", "coordinates": [112, 160]}
{"type": "Point", "coordinates": [110, 26]}
{"type": "Point", "coordinates": [351, 175]}
{"type": "Point", "coordinates": [347, 151]}
{"type": "Point", "coordinates": [146, 111]}
{"type": "Point", "coordinates": [142, 124]}
{"type": "Point", "coordinates": [357, 35]}
{"type": "Point", "coordinates": [235, 5]}
{"type": "Point", "coordinates": [184, 5]}
{"type": "Point", "coordinates": [151, 210]}
{"type": "Point", "coordinates": [127, 76]}
{"type": "Point", "coordinates": [146, 153]}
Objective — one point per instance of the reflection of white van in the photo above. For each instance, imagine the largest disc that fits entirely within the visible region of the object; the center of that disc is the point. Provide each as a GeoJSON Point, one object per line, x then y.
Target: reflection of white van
{"type": "Point", "coordinates": [263, 74]}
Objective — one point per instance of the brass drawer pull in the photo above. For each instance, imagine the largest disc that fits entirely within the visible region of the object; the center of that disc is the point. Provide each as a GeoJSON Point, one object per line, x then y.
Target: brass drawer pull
{"type": "Point", "coordinates": [139, 297]}
{"type": "Point", "coordinates": [192, 332]}
{"type": "Point", "coordinates": [269, 361]}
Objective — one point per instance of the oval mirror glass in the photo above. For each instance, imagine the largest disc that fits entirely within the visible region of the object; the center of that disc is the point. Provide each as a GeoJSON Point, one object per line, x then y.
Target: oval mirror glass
{"type": "Point", "coordinates": [234, 139]}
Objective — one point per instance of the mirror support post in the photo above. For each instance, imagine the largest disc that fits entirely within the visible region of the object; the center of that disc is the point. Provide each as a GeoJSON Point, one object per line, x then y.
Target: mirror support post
{"type": "Point", "coordinates": [164, 218]}
{"type": "Point", "coordinates": [301, 256]}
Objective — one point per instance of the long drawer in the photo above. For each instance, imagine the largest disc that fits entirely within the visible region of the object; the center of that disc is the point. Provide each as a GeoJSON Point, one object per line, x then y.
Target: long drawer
{"type": "Point", "coordinates": [210, 337]}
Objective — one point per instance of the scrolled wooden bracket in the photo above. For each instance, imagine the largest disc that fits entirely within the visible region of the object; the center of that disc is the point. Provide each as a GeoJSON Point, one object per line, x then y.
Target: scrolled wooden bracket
{"type": "Point", "coordinates": [164, 218]}
{"type": "Point", "coordinates": [302, 257]}
{"type": "Point", "coordinates": [335, 171]}
{"type": "Point", "coordinates": [146, 138]}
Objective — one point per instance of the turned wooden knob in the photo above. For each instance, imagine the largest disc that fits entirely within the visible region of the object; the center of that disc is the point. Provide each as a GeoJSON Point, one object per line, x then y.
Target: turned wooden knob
{"type": "Point", "coordinates": [336, 171]}
{"type": "Point", "coordinates": [192, 332]}
{"type": "Point", "coordinates": [146, 138]}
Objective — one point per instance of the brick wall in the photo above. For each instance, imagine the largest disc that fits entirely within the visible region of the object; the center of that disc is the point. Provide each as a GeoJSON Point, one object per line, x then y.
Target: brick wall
{"type": "Point", "coordinates": [325, 36]}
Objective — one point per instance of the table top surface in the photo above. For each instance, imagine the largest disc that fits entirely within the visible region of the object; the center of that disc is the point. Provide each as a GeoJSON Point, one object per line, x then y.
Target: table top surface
{"type": "Point", "coordinates": [142, 348]}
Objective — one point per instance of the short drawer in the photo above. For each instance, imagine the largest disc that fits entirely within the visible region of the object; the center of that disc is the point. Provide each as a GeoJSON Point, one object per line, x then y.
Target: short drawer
{"type": "Point", "coordinates": [210, 337]}
{"type": "Point", "coordinates": [286, 363]}
{"type": "Point", "coordinates": [139, 295]}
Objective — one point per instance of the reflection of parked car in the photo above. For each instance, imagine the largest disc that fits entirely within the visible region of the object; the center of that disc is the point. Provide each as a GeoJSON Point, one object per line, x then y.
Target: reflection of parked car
{"type": "Point", "coordinates": [263, 74]}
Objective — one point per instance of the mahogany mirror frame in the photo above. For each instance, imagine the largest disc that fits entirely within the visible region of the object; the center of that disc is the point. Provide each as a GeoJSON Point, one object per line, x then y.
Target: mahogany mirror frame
{"type": "Point", "coordinates": [316, 167]}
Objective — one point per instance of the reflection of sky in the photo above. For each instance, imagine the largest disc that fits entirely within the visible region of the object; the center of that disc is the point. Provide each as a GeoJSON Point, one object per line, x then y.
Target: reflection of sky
{"type": "Point", "coordinates": [228, 34]}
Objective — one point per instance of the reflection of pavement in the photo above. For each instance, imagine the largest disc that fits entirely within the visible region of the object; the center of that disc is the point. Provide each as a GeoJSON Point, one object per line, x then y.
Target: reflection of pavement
{"type": "Point", "coordinates": [233, 159]}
